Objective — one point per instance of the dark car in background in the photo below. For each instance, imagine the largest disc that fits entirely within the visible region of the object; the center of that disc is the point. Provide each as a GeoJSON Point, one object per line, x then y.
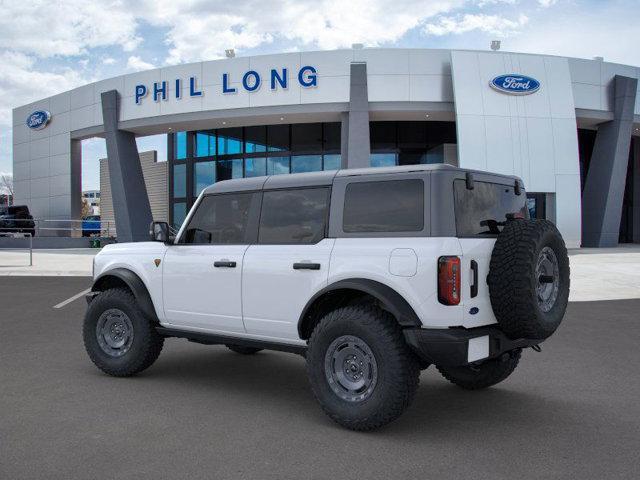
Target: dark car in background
{"type": "Point", "coordinates": [91, 226]}
{"type": "Point", "coordinates": [17, 219]}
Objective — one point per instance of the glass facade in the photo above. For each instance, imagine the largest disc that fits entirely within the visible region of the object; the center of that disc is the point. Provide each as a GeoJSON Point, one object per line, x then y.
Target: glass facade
{"type": "Point", "coordinates": [409, 143]}
{"type": "Point", "coordinates": [201, 158]}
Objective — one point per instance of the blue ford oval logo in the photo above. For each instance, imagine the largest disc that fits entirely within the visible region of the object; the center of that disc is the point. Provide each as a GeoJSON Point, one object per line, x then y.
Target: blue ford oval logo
{"type": "Point", "coordinates": [38, 119]}
{"type": "Point", "coordinates": [515, 84]}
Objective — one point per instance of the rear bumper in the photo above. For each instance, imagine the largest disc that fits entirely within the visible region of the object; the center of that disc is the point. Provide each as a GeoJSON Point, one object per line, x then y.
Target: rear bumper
{"type": "Point", "coordinates": [454, 347]}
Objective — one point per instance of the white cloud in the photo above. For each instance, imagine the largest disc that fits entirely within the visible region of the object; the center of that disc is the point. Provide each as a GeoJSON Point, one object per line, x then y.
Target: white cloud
{"type": "Point", "coordinates": [108, 61]}
{"type": "Point", "coordinates": [491, 24]}
{"type": "Point", "coordinates": [547, 3]}
{"type": "Point", "coordinates": [46, 28]}
{"type": "Point", "coordinates": [21, 83]}
{"type": "Point", "coordinates": [135, 63]}
{"type": "Point", "coordinates": [325, 24]}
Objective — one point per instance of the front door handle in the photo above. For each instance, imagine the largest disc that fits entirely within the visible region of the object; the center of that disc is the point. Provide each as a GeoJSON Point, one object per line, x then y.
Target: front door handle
{"type": "Point", "coordinates": [306, 266]}
{"type": "Point", "coordinates": [225, 264]}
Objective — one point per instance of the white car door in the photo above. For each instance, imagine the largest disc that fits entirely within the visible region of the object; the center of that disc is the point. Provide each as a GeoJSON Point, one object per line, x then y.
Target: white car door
{"type": "Point", "coordinates": [289, 263]}
{"type": "Point", "coordinates": [202, 274]}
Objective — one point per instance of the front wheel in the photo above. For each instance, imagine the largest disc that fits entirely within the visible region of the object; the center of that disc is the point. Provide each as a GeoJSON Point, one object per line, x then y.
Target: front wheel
{"type": "Point", "coordinates": [360, 369]}
{"type": "Point", "coordinates": [118, 337]}
{"type": "Point", "coordinates": [487, 374]}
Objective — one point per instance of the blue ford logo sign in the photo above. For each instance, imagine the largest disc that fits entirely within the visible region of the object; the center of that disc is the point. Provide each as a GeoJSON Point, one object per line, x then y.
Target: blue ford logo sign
{"type": "Point", "coordinates": [515, 84]}
{"type": "Point", "coordinates": [38, 119]}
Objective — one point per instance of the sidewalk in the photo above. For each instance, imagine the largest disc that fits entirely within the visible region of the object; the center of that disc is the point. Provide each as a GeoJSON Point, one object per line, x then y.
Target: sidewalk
{"type": "Point", "coordinates": [69, 262]}
{"type": "Point", "coordinates": [596, 274]}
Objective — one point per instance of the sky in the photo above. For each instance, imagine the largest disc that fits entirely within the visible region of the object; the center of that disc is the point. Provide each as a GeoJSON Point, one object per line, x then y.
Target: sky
{"type": "Point", "coordinates": [48, 47]}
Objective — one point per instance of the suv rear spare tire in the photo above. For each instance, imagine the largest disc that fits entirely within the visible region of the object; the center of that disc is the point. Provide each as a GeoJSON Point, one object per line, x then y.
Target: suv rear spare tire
{"type": "Point", "coordinates": [529, 279]}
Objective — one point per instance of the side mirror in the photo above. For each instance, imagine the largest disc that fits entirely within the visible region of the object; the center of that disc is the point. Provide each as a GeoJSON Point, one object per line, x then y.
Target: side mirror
{"type": "Point", "coordinates": [159, 232]}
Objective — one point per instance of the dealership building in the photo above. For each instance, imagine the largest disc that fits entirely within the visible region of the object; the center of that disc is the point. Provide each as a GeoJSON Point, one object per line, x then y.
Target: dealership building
{"type": "Point", "coordinates": [568, 127]}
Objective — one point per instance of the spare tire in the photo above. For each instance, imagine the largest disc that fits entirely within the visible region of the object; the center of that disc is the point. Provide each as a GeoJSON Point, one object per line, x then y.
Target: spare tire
{"type": "Point", "coordinates": [529, 279]}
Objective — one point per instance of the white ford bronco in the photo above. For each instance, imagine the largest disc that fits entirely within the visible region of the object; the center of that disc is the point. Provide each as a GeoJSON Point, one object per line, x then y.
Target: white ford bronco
{"type": "Point", "coordinates": [371, 275]}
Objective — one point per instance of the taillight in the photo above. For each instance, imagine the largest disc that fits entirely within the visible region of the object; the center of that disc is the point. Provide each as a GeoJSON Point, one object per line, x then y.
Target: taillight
{"type": "Point", "coordinates": [449, 280]}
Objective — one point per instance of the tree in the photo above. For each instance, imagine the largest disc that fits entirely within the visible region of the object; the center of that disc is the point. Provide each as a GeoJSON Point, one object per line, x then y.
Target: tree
{"type": "Point", "coordinates": [6, 186]}
{"type": "Point", "coordinates": [86, 208]}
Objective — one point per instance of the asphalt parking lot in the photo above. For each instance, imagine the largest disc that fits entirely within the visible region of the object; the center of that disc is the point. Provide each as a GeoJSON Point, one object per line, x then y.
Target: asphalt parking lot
{"type": "Point", "coordinates": [572, 411]}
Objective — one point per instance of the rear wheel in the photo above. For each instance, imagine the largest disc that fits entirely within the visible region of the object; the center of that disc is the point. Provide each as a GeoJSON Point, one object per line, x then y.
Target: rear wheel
{"type": "Point", "coordinates": [118, 337]}
{"type": "Point", "coordinates": [360, 369]}
{"type": "Point", "coordinates": [476, 377]}
{"type": "Point", "coordinates": [243, 350]}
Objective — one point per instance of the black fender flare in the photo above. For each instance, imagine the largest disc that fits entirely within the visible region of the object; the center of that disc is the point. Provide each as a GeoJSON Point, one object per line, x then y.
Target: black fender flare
{"type": "Point", "coordinates": [135, 284]}
{"type": "Point", "coordinates": [389, 299]}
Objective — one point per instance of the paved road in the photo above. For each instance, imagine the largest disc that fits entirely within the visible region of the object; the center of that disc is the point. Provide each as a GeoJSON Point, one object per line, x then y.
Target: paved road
{"type": "Point", "coordinates": [572, 411]}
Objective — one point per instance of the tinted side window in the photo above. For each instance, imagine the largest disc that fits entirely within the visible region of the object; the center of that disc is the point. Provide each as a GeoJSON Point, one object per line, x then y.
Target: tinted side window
{"type": "Point", "coordinates": [294, 216]}
{"type": "Point", "coordinates": [219, 219]}
{"type": "Point", "coordinates": [483, 210]}
{"type": "Point", "coordinates": [386, 206]}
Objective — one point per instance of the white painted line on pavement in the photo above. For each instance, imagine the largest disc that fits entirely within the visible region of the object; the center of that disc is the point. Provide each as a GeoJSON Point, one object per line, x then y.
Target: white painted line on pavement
{"type": "Point", "coordinates": [75, 297]}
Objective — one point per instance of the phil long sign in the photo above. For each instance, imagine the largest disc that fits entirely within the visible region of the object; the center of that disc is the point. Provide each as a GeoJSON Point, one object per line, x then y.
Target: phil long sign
{"type": "Point", "coordinates": [250, 81]}
{"type": "Point", "coordinates": [515, 84]}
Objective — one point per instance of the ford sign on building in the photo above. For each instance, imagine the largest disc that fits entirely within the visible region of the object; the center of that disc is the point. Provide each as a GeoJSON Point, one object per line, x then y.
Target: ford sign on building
{"type": "Point", "coordinates": [567, 126]}
{"type": "Point", "coordinates": [38, 119]}
{"type": "Point", "coordinates": [515, 84]}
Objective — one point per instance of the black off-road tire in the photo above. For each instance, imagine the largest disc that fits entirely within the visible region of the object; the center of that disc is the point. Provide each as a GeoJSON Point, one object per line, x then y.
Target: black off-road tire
{"type": "Point", "coordinates": [398, 370]}
{"type": "Point", "coordinates": [243, 350]}
{"type": "Point", "coordinates": [484, 375]}
{"type": "Point", "coordinates": [146, 343]}
{"type": "Point", "coordinates": [513, 280]}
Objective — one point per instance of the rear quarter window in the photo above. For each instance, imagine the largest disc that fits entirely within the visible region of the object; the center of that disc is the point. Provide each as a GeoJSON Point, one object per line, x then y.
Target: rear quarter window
{"type": "Point", "coordinates": [483, 210]}
{"type": "Point", "coordinates": [384, 206]}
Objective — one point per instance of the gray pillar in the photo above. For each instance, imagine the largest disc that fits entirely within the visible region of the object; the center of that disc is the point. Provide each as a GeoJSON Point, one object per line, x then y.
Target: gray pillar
{"type": "Point", "coordinates": [604, 187]}
{"type": "Point", "coordinates": [636, 190]}
{"type": "Point", "coordinates": [129, 193]}
{"type": "Point", "coordinates": [344, 140]}
{"type": "Point", "coordinates": [357, 141]}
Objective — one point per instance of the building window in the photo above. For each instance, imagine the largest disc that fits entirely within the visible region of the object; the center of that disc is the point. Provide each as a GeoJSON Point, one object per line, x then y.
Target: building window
{"type": "Point", "coordinates": [180, 180]}
{"type": "Point", "coordinates": [306, 163]}
{"type": "Point", "coordinates": [201, 158]}
{"type": "Point", "coordinates": [277, 165]}
{"type": "Point", "coordinates": [205, 144]}
{"type": "Point", "coordinates": [255, 139]}
{"type": "Point", "coordinates": [255, 167]}
{"type": "Point", "coordinates": [228, 169]}
{"type": "Point", "coordinates": [229, 141]}
{"type": "Point", "coordinates": [383, 159]}
{"type": "Point", "coordinates": [408, 143]}
{"type": "Point", "coordinates": [204, 174]}
{"type": "Point", "coordinates": [332, 162]}
{"type": "Point", "coordinates": [180, 146]}
{"type": "Point", "coordinates": [179, 212]}
{"type": "Point", "coordinates": [278, 138]}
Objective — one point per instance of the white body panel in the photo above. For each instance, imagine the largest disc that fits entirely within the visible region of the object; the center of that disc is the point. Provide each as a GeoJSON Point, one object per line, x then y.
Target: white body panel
{"type": "Point", "coordinates": [273, 293]}
{"type": "Point", "coordinates": [478, 249]}
{"type": "Point", "coordinates": [197, 294]}
{"type": "Point", "coordinates": [369, 258]}
{"type": "Point", "coordinates": [263, 297]}
{"type": "Point", "coordinates": [140, 259]}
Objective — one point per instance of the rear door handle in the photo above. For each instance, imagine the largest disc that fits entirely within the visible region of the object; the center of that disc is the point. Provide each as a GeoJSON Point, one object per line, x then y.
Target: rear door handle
{"type": "Point", "coordinates": [474, 270]}
{"type": "Point", "coordinates": [225, 264]}
{"type": "Point", "coordinates": [306, 266]}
